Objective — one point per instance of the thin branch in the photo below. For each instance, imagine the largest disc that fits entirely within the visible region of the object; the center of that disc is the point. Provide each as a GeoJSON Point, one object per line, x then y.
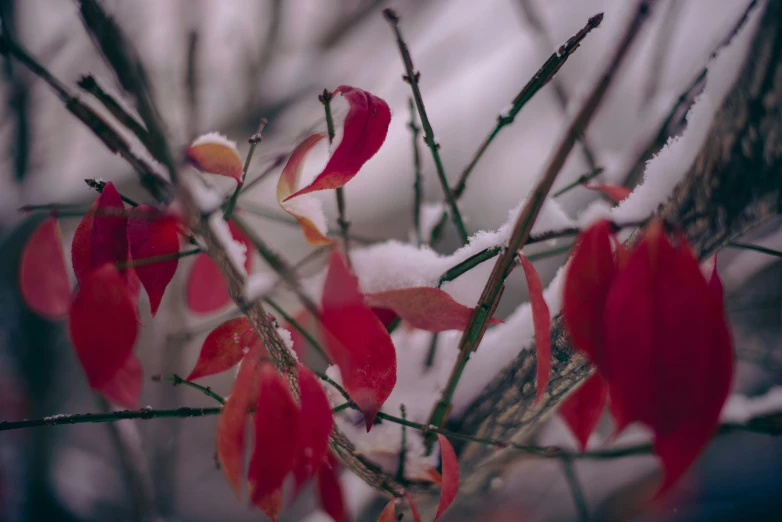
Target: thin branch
{"type": "Point", "coordinates": [418, 195]}
{"type": "Point", "coordinates": [413, 78]}
{"type": "Point", "coordinates": [756, 248]}
{"type": "Point", "coordinates": [176, 380]}
{"type": "Point", "coordinates": [279, 159]}
{"type": "Point", "coordinates": [583, 178]}
{"type": "Point", "coordinates": [82, 418]}
{"type": "Point", "coordinates": [569, 471]}
{"type": "Point", "coordinates": [254, 140]}
{"type": "Point", "coordinates": [158, 259]}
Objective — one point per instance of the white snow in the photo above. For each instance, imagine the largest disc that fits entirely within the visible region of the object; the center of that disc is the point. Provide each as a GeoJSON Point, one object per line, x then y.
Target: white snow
{"type": "Point", "coordinates": [258, 285]}
{"type": "Point", "coordinates": [740, 408]}
{"type": "Point", "coordinates": [214, 138]}
{"type": "Point", "coordinates": [236, 251]}
{"type": "Point", "coordinates": [285, 335]}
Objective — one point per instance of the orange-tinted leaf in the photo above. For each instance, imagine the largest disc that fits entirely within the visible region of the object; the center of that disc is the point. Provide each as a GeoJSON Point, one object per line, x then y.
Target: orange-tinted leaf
{"type": "Point", "coordinates": [357, 341]}
{"type": "Point", "coordinates": [207, 290]}
{"type": "Point", "coordinates": [215, 154]}
{"type": "Point", "coordinates": [330, 492]}
{"type": "Point", "coordinates": [614, 192]}
{"type": "Point", "coordinates": [307, 211]}
{"type": "Point", "coordinates": [276, 434]}
{"type": "Point", "coordinates": [541, 318]}
{"type": "Point", "coordinates": [43, 276]}
{"type": "Point", "coordinates": [102, 324]}
{"type": "Point", "coordinates": [416, 515]}
{"type": "Point", "coordinates": [366, 126]}
{"type": "Point", "coordinates": [450, 482]}
{"type": "Point", "coordinates": [588, 280]}
{"type": "Point", "coordinates": [230, 427]}
{"type": "Point", "coordinates": [582, 410]}
{"type": "Point", "coordinates": [124, 388]}
{"type": "Point", "coordinates": [389, 512]}
{"type": "Point", "coordinates": [425, 308]}
{"type": "Point", "coordinates": [224, 347]}
{"type": "Point", "coordinates": [152, 234]}
{"type": "Point", "coordinates": [315, 424]}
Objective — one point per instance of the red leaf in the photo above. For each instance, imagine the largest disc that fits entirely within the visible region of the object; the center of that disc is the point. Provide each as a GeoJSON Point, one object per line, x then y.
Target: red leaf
{"type": "Point", "coordinates": [366, 126]}
{"type": "Point", "coordinates": [389, 512]}
{"type": "Point", "coordinates": [124, 388]}
{"type": "Point", "coordinates": [450, 476]}
{"type": "Point", "coordinates": [668, 350]}
{"type": "Point", "coordinates": [214, 154]}
{"type": "Point", "coordinates": [715, 283]}
{"type": "Point", "coordinates": [80, 247]}
{"type": "Point", "coordinates": [230, 427]}
{"type": "Point", "coordinates": [152, 234]}
{"type": "Point", "coordinates": [224, 347]}
{"type": "Point", "coordinates": [300, 343]}
{"type": "Point", "coordinates": [207, 290]}
{"type": "Point", "coordinates": [589, 278]}
{"type": "Point", "coordinates": [276, 432]}
{"type": "Point", "coordinates": [102, 324]}
{"type": "Point", "coordinates": [614, 192]}
{"type": "Point", "coordinates": [315, 424]}
{"type": "Point", "coordinates": [416, 515]}
{"type": "Point", "coordinates": [541, 318]}
{"type": "Point", "coordinates": [582, 410]}
{"type": "Point", "coordinates": [43, 276]}
{"type": "Point", "coordinates": [357, 341]}
{"type": "Point", "coordinates": [330, 492]}
{"type": "Point", "coordinates": [424, 308]}
{"type": "Point", "coordinates": [386, 315]}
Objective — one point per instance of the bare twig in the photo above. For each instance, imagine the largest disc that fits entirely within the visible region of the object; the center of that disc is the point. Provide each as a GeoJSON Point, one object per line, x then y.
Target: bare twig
{"type": "Point", "coordinates": [254, 140]}
{"type": "Point", "coordinates": [575, 488]}
{"type": "Point", "coordinates": [418, 195]}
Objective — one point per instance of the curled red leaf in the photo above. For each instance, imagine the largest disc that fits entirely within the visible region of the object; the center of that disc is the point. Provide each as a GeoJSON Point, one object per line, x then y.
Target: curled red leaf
{"type": "Point", "coordinates": [614, 192]}
{"type": "Point", "coordinates": [224, 347]}
{"type": "Point", "coordinates": [424, 308]}
{"type": "Point", "coordinates": [152, 234]}
{"type": "Point", "coordinates": [357, 341]}
{"type": "Point", "coordinates": [102, 324]}
{"type": "Point", "coordinates": [541, 319]}
{"type": "Point", "coordinates": [582, 410]}
{"type": "Point", "coordinates": [315, 424]}
{"type": "Point", "coordinates": [215, 154]}
{"type": "Point", "coordinates": [43, 276]}
{"type": "Point", "coordinates": [450, 475]}
{"type": "Point", "coordinates": [124, 388]}
{"type": "Point", "coordinates": [330, 492]}
{"type": "Point", "coordinates": [366, 126]}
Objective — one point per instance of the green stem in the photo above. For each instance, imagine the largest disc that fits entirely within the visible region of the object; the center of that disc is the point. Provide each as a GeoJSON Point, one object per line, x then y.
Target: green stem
{"type": "Point", "coordinates": [415, 130]}
{"type": "Point", "coordinates": [254, 140]}
{"type": "Point", "coordinates": [583, 178]}
{"type": "Point", "coordinates": [756, 248]}
{"type": "Point", "coordinates": [176, 380]}
{"type": "Point", "coordinates": [575, 488]}
{"type": "Point", "coordinates": [400, 470]}
{"type": "Point", "coordinates": [412, 78]}
{"type": "Point", "coordinates": [158, 259]}
{"type": "Point", "coordinates": [83, 418]}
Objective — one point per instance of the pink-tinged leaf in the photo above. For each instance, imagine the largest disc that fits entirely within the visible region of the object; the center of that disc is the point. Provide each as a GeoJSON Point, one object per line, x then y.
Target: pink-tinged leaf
{"type": "Point", "coordinates": [152, 234]}
{"type": "Point", "coordinates": [276, 434]}
{"type": "Point", "coordinates": [43, 276]}
{"type": "Point", "coordinates": [315, 424]}
{"type": "Point", "coordinates": [357, 341]}
{"type": "Point", "coordinates": [424, 308]}
{"type": "Point", "coordinates": [450, 476]}
{"type": "Point", "coordinates": [330, 492]}
{"type": "Point", "coordinates": [614, 192]}
{"type": "Point", "coordinates": [231, 426]}
{"type": "Point", "coordinates": [207, 290]}
{"type": "Point", "coordinates": [102, 324]}
{"type": "Point", "coordinates": [389, 512]}
{"type": "Point", "coordinates": [416, 515]}
{"type": "Point", "coordinates": [225, 346]}
{"type": "Point", "coordinates": [366, 126]}
{"type": "Point", "coordinates": [582, 410]}
{"type": "Point", "coordinates": [587, 282]}
{"type": "Point", "coordinates": [124, 389]}
{"type": "Point", "coordinates": [541, 319]}
{"type": "Point", "coordinates": [214, 154]}
{"type": "Point", "coordinates": [307, 211]}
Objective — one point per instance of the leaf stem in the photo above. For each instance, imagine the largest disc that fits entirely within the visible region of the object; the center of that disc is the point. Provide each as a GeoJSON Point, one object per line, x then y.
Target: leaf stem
{"type": "Point", "coordinates": [82, 418]}
{"type": "Point", "coordinates": [569, 471]}
{"type": "Point", "coordinates": [583, 178]}
{"type": "Point", "coordinates": [157, 259]}
{"type": "Point", "coordinates": [756, 248]}
{"type": "Point", "coordinates": [400, 470]}
{"type": "Point", "coordinates": [415, 130]}
{"type": "Point", "coordinates": [254, 140]}
{"type": "Point", "coordinates": [412, 77]}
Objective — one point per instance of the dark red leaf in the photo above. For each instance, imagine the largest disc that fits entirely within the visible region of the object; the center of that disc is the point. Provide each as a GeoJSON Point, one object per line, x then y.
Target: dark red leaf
{"type": "Point", "coordinates": [541, 319]}
{"type": "Point", "coordinates": [582, 410]}
{"type": "Point", "coordinates": [450, 475]}
{"type": "Point", "coordinates": [588, 280]}
{"type": "Point", "coordinates": [357, 341]}
{"type": "Point", "coordinates": [386, 315]}
{"type": "Point", "coordinates": [614, 192]}
{"type": "Point", "coordinates": [389, 512]}
{"type": "Point", "coordinates": [715, 283]}
{"type": "Point", "coordinates": [276, 433]}
{"type": "Point", "coordinates": [424, 308]}
{"type": "Point", "coordinates": [124, 388]}
{"type": "Point", "coordinates": [366, 126]}
{"type": "Point", "coordinates": [43, 276]}
{"type": "Point", "coordinates": [109, 243]}
{"type": "Point", "coordinates": [330, 492]}
{"type": "Point", "coordinates": [152, 234]}
{"type": "Point", "coordinates": [102, 324]}
{"type": "Point", "coordinates": [207, 290]}
{"type": "Point", "coordinates": [81, 257]}
{"type": "Point", "coordinates": [224, 347]}
{"type": "Point", "coordinates": [315, 424]}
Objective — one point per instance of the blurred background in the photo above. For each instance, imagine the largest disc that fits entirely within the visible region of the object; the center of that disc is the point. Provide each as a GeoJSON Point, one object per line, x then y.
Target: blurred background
{"type": "Point", "coordinates": [221, 65]}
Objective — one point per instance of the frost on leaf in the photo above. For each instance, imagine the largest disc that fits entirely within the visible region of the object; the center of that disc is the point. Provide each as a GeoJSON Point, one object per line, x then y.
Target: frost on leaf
{"type": "Point", "coordinates": [225, 346]}
{"type": "Point", "coordinates": [152, 234]}
{"type": "Point", "coordinates": [215, 154]}
{"type": "Point", "coordinates": [541, 319]}
{"type": "Point", "coordinates": [366, 126]}
{"type": "Point", "coordinates": [124, 389]}
{"type": "Point", "coordinates": [357, 341]}
{"type": "Point", "coordinates": [207, 290]}
{"type": "Point", "coordinates": [315, 424]}
{"type": "Point", "coordinates": [43, 276]}
{"type": "Point", "coordinates": [424, 308]}
{"type": "Point", "coordinates": [581, 411]}
{"type": "Point", "coordinates": [329, 490]}
{"type": "Point", "coordinates": [102, 324]}
{"type": "Point", "coordinates": [450, 476]}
